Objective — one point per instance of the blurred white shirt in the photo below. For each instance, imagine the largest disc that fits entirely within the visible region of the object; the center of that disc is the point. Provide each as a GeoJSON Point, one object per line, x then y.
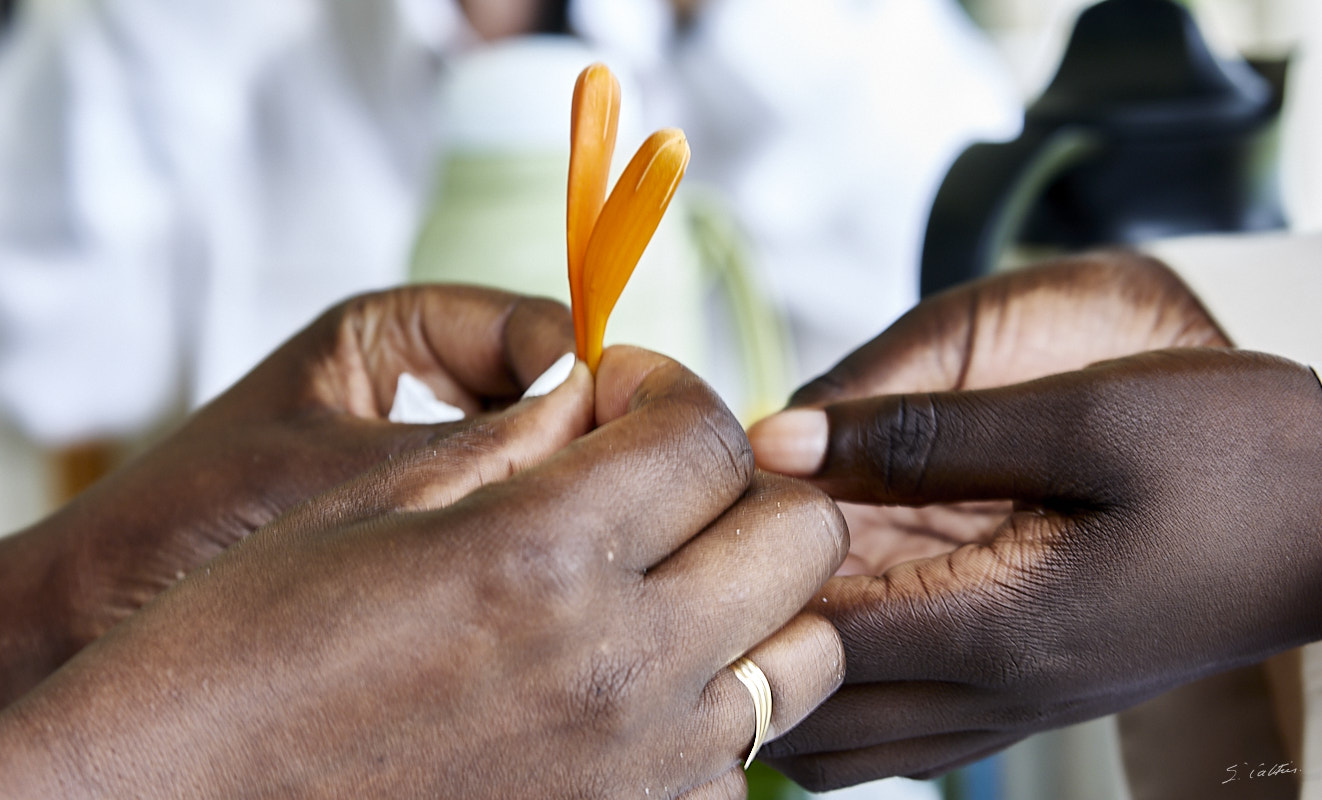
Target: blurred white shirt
{"type": "Point", "coordinates": [187, 183]}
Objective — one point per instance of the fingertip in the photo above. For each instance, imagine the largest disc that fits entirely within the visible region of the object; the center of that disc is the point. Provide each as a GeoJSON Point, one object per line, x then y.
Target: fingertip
{"type": "Point", "coordinates": [792, 442]}
{"type": "Point", "coordinates": [830, 651]}
{"type": "Point", "coordinates": [579, 382]}
{"type": "Point", "coordinates": [566, 387]}
{"type": "Point", "coordinates": [579, 375]}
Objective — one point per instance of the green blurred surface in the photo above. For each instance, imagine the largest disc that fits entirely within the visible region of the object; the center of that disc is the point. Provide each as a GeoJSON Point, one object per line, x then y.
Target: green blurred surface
{"type": "Point", "coordinates": [764, 783]}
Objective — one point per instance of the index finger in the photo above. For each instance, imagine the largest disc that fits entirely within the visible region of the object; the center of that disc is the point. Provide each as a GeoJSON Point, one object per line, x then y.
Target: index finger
{"type": "Point", "coordinates": [667, 460]}
{"type": "Point", "coordinates": [1016, 326]}
{"type": "Point", "coordinates": [467, 343]}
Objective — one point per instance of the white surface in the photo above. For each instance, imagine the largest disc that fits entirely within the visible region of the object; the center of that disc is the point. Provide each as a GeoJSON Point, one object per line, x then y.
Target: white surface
{"type": "Point", "coordinates": [890, 789]}
{"type": "Point", "coordinates": [1265, 291]}
{"type": "Point", "coordinates": [551, 379]}
{"type": "Point", "coordinates": [1312, 766]}
{"type": "Point", "coordinates": [416, 404]}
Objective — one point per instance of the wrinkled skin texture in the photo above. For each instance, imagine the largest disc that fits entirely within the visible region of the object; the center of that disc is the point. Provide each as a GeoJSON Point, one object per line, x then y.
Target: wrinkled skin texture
{"type": "Point", "coordinates": [541, 620]}
{"type": "Point", "coordinates": [1164, 524]}
{"type": "Point", "coordinates": [310, 416]}
{"type": "Point", "coordinates": [1009, 328]}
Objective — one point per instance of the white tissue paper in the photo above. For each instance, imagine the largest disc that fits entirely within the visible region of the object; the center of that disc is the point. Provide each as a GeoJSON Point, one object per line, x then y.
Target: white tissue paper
{"type": "Point", "coordinates": [416, 404]}
{"type": "Point", "coordinates": [550, 380]}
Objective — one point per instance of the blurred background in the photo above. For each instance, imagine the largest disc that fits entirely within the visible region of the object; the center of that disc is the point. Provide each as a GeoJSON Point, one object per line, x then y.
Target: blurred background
{"type": "Point", "coordinates": [185, 184]}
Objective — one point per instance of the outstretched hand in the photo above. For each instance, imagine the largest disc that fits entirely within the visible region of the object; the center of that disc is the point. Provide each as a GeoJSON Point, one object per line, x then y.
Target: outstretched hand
{"type": "Point", "coordinates": [1158, 520]}
{"type": "Point", "coordinates": [1004, 329]}
{"type": "Point", "coordinates": [1165, 528]}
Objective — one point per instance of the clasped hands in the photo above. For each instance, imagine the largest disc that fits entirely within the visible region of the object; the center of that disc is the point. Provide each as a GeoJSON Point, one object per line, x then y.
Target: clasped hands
{"type": "Point", "coordinates": [293, 596]}
{"type": "Point", "coordinates": [547, 594]}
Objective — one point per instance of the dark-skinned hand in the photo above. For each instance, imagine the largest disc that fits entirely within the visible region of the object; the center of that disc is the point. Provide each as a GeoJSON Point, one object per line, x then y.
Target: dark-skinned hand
{"type": "Point", "coordinates": [1004, 329]}
{"type": "Point", "coordinates": [552, 617]}
{"type": "Point", "coordinates": [310, 416]}
{"type": "Point", "coordinates": [1163, 529]}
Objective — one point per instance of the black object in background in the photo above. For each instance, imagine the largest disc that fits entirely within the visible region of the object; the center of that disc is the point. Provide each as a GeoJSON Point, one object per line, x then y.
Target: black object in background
{"type": "Point", "coordinates": [1143, 133]}
{"type": "Point", "coordinates": [6, 13]}
{"type": "Point", "coordinates": [553, 17]}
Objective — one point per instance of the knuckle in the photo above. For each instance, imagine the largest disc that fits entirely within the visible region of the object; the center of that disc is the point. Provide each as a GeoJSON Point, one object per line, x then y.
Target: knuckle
{"type": "Point", "coordinates": [1128, 268]}
{"type": "Point", "coordinates": [824, 640]}
{"type": "Point", "coordinates": [693, 424]}
{"type": "Point", "coordinates": [364, 323]}
{"type": "Point", "coordinates": [899, 443]}
{"type": "Point", "coordinates": [357, 317]}
{"type": "Point", "coordinates": [557, 579]}
{"type": "Point", "coordinates": [807, 509]}
{"type": "Point", "coordinates": [712, 440]}
{"type": "Point", "coordinates": [727, 444]}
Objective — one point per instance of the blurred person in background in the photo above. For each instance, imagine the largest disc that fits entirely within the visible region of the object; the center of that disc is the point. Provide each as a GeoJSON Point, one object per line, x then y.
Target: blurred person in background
{"type": "Point", "coordinates": [182, 184]}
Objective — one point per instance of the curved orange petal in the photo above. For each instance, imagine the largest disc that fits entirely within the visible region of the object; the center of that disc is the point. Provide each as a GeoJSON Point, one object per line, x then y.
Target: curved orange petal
{"type": "Point", "coordinates": [625, 226]}
{"type": "Point", "coordinates": [593, 122]}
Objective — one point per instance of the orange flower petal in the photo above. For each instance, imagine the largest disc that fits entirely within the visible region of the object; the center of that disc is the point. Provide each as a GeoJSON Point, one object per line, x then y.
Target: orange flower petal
{"type": "Point", "coordinates": [593, 122]}
{"type": "Point", "coordinates": [625, 226]}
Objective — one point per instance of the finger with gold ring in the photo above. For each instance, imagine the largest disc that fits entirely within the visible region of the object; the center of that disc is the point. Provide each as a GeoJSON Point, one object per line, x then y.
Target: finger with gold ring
{"type": "Point", "coordinates": [800, 665]}
{"type": "Point", "coordinates": [752, 677]}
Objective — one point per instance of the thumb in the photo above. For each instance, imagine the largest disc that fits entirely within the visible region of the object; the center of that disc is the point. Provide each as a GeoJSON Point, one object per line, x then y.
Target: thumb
{"type": "Point", "coordinates": [427, 467]}
{"type": "Point", "coordinates": [1025, 442]}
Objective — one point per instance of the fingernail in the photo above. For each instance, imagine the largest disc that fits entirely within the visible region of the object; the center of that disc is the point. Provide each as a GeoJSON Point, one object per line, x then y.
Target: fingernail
{"type": "Point", "coordinates": [415, 404]}
{"type": "Point", "coordinates": [550, 380]}
{"type": "Point", "coordinates": [792, 442]}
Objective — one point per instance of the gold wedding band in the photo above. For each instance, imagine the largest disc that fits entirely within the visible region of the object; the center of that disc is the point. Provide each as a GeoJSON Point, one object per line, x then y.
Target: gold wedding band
{"type": "Point", "coordinates": [750, 676]}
